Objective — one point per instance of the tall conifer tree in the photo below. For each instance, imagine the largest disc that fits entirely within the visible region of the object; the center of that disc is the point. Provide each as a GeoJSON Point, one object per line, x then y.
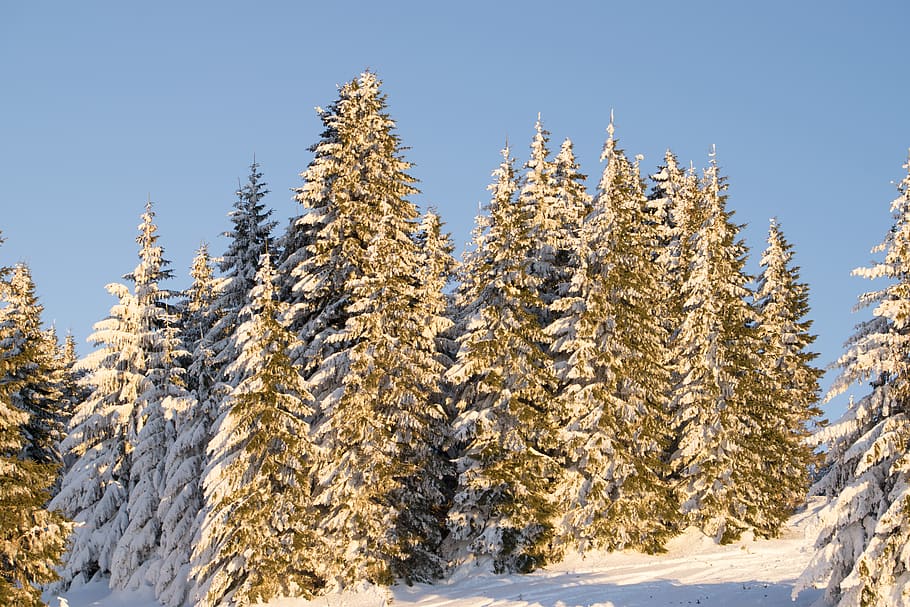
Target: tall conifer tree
{"type": "Point", "coordinates": [101, 491]}
{"type": "Point", "coordinates": [864, 532]}
{"type": "Point", "coordinates": [674, 208]}
{"type": "Point", "coordinates": [37, 383]}
{"type": "Point", "coordinates": [150, 433]}
{"type": "Point", "coordinates": [369, 348]}
{"type": "Point", "coordinates": [505, 430]}
{"type": "Point", "coordinates": [546, 227]}
{"type": "Point", "coordinates": [258, 539]}
{"type": "Point", "coordinates": [790, 385]}
{"type": "Point", "coordinates": [32, 538]}
{"type": "Point", "coordinates": [192, 413]}
{"type": "Point", "coordinates": [614, 381]}
{"type": "Point", "coordinates": [250, 237]}
{"type": "Point", "coordinates": [714, 399]}
{"type": "Point", "coordinates": [572, 205]}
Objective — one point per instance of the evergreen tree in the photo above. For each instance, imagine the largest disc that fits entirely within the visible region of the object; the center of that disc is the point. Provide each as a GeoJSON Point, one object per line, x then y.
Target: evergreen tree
{"type": "Point", "coordinates": [257, 541]}
{"type": "Point", "coordinates": [161, 393]}
{"type": "Point", "coordinates": [791, 383]}
{"type": "Point", "coordinates": [74, 391]}
{"type": "Point", "coordinates": [94, 488]}
{"type": "Point", "coordinates": [118, 428]}
{"type": "Point", "coordinates": [674, 209]}
{"type": "Point", "coordinates": [32, 538]}
{"type": "Point", "coordinates": [613, 380]}
{"type": "Point", "coordinates": [864, 530]}
{"type": "Point", "coordinates": [546, 229]}
{"type": "Point", "coordinates": [36, 384]}
{"type": "Point", "coordinates": [572, 205]}
{"type": "Point", "coordinates": [714, 400]}
{"type": "Point", "coordinates": [250, 237]}
{"type": "Point", "coordinates": [437, 270]}
{"type": "Point", "coordinates": [369, 329]}
{"type": "Point", "coordinates": [181, 495]}
{"type": "Point", "coordinates": [505, 430]}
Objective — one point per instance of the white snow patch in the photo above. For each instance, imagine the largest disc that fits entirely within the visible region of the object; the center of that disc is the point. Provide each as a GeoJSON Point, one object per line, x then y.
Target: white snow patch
{"type": "Point", "coordinates": [694, 571]}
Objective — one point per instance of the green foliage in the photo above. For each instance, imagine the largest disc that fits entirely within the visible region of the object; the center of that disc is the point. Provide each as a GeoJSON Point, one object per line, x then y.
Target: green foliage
{"type": "Point", "coordinates": [788, 381]}
{"type": "Point", "coordinates": [507, 417]}
{"type": "Point", "coordinates": [615, 382]}
{"type": "Point", "coordinates": [32, 538]}
{"type": "Point", "coordinates": [261, 520]}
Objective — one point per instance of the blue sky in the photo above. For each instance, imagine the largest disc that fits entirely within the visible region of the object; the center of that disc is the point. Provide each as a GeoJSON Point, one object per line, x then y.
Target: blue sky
{"type": "Point", "coordinates": [106, 103]}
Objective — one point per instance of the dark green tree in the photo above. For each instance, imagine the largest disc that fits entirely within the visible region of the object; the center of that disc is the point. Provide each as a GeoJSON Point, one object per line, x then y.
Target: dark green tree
{"type": "Point", "coordinates": [716, 403]}
{"type": "Point", "coordinates": [790, 382]}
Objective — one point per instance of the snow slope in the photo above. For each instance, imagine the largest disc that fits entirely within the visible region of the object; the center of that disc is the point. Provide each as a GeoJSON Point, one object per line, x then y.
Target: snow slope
{"type": "Point", "coordinates": [693, 571]}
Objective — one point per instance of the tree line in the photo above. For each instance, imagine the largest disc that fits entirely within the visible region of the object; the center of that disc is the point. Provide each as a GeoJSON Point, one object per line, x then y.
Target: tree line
{"type": "Point", "coordinates": [321, 408]}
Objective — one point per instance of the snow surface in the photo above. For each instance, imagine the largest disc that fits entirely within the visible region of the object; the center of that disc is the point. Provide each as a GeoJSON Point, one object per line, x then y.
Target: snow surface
{"type": "Point", "coordinates": [693, 571]}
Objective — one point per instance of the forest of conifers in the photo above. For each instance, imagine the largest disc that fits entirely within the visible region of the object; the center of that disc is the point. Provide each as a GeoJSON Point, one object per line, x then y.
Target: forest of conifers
{"type": "Point", "coordinates": [344, 402]}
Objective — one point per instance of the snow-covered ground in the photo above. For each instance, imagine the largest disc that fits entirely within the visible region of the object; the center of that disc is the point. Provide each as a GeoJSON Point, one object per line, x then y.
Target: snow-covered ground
{"type": "Point", "coordinates": [693, 571]}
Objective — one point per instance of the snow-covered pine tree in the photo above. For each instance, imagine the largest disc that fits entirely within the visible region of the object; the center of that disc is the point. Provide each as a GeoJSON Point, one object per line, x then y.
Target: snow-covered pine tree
{"type": "Point", "coordinates": [74, 392]}
{"type": "Point", "coordinates": [713, 402]}
{"type": "Point", "coordinates": [94, 489]}
{"type": "Point", "coordinates": [571, 207]}
{"type": "Point", "coordinates": [551, 230]}
{"type": "Point", "coordinates": [437, 271]}
{"type": "Point", "coordinates": [614, 384]}
{"type": "Point", "coordinates": [505, 431]}
{"type": "Point", "coordinates": [112, 504]}
{"type": "Point", "coordinates": [161, 395]}
{"type": "Point", "coordinates": [863, 546]}
{"type": "Point", "coordinates": [37, 383]}
{"type": "Point", "coordinates": [32, 538]}
{"type": "Point", "coordinates": [675, 214]}
{"type": "Point", "coordinates": [790, 381]}
{"type": "Point", "coordinates": [258, 538]}
{"type": "Point", "coordinates": [368, 328]}
{"type": "Point", "coordinates": [180, 509]}
{"type": "Point", "coordinates": [250, 237]}
{"type": "Point", "coordinates": [674, 209]}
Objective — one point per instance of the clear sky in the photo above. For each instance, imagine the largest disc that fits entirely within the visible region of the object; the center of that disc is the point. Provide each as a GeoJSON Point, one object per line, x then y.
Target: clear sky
{"type": "Point", "coordinates": [105, 103]}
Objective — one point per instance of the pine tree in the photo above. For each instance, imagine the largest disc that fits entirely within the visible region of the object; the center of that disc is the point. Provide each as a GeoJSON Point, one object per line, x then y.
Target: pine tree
{"type": "Point", "coordinates": [674, 207]}
{"type": "Point", "coordinates": [151, 433]}
{"type": "Point", "coordinates": [864, 530]}
{"type": "Point", "coordinates": [74, 391]}
{"type": "Point", "coordinates": [32, 538]}
{"type": "Point", "coordinates": [94, 488]}
{"type": "Point", "coordinates": [791, 384]}
{"type": "Point", "coordinates": [36, 384]}
{"type": "Point", "coordinates": [118, 428]}
{"type": "Point", "coordinates": [572, 206]}
{"type": "Point", "coordinates": [537, 194]}
{"type": "Point", "coordinates": [181, 495]}
{"type": "Point", "coordinates": [614, 382]}
{"type": "Point", "coordinates": [714, 401]}
{"type": "Point", "coordinates": [250, 237]}
{"type": "Point", "coordinates": [257, 541]}
{"type": "Point", "coordinates": [369, 329]}
{"type": "Point", "coordinates": [504, 381]}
